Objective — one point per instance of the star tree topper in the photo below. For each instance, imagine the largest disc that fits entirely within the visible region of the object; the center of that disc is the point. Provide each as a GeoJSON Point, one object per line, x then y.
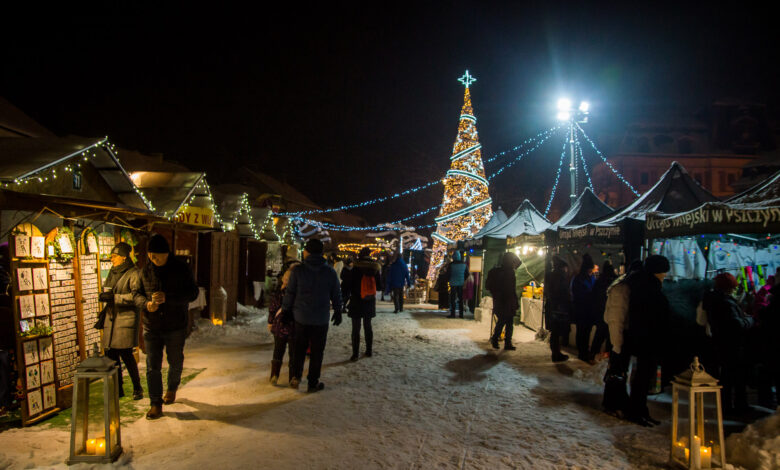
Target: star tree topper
{"type": "Point", "coordinates": [467, 79]}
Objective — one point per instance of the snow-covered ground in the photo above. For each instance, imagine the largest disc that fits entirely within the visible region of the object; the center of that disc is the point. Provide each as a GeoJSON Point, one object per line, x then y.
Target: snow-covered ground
{"type": "Point", "coordinates": [435, 395]}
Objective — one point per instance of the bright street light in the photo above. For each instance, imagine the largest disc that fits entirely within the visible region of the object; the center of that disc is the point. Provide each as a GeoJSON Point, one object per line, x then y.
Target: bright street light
{"type": "Point", "coordinates": [567, 113]}
{"type": "Point", "coordinates": [584, 106]}
{"type": "Point", "coordinates": [564, 104]}
{"type": "Point", "coordinates": [564, 116]}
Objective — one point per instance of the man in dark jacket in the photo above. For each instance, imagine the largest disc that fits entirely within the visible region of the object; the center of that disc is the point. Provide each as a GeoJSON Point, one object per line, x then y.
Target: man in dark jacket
{"type": "Point", "coordinates": [312, 288]}
{"type": "Point", "coordinates": [729, 326]}
{"type": "Point", "coordinates": [501, 284]}
{"type": "Point", "coordinates": [362, 308]}
{"type": "Point", "coordinates": [582, 306]}
{"type": "Point", "coordinates": [558, 307]}
{"type": "Point", "coordinates": [169, 288]}
{"type": "Point", "coordinates": [398, 278]}
{"type": "Point", "coordinates": [649, 316]}
{"type": "Point", "coordinates": [458, 274]}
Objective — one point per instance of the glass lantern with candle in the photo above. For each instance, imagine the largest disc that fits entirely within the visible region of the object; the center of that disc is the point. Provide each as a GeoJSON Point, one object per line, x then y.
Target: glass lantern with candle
{"type": "Point", "coordinates": [697, 420]}
{"type": "Point", "coordinates": [95, 436]}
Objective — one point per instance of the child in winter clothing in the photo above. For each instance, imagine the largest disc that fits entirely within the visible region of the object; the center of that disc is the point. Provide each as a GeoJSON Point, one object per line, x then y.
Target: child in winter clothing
{"type": "Point", "coordinates": [281, 325]}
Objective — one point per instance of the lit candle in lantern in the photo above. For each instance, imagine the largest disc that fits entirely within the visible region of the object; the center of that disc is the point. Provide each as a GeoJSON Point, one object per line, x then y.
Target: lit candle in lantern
{"type": "Point", "coordinates": [91, 446]}
{"type": "Point", "coordinates": [706, 457]}
{"type": "Point", "coordinates": [696, 452]}
{"type": "Point", "coordinates": [100, 446]}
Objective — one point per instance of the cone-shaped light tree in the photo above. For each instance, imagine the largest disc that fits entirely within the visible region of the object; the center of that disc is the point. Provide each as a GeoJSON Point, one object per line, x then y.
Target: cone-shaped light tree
{"type": "Point", "coordinates": [466, 205]}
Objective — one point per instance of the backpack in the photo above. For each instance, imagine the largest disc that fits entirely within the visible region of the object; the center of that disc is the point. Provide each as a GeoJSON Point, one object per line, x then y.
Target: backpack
{"type": "Point", "coordinates": [367, 286]}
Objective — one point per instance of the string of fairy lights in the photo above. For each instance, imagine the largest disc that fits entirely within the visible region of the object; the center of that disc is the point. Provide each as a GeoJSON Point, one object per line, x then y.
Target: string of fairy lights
{"type": "Point", "coordinates": [578, 149]}
{"type": "Point", "coordinates": [557, 178]}
{"type": "Point", "coordinates": [604, 159]}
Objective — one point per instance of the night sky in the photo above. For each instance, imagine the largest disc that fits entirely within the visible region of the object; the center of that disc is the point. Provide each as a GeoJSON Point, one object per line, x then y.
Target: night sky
{"type": "Point", "coordinates": [348, 101]}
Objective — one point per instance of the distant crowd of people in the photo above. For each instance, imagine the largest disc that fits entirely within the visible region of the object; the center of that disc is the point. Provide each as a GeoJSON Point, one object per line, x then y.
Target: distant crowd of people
{"type": "Point", "coordinates": [632, 315]}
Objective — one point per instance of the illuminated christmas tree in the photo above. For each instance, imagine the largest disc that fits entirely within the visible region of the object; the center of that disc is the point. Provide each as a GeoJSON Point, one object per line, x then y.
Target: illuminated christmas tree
{"type": "Point", "coordinates": [466, 205]}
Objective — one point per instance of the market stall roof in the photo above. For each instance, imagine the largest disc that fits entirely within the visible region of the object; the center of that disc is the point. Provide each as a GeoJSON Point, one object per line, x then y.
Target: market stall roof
{"type": "Point", "coordinates": [169, 191]}
{"type": "Point", "coordinates": [756, 211]}
{"type": "Point", "coordinates": [587, 208]}
{"type": "Point", "coordinates": [526, 220]}
{"type": "Point", "coordinates": [23, 159]}
{"type": "Point", "coordinates": [765, 193]}
{"type": "Point", "coordinates": [498, 218]}
{"type": "Point", "coordinates": [675, 192]}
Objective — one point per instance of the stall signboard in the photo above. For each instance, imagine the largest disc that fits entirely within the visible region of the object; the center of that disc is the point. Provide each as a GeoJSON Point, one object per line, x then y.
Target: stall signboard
{"type": "Point", "coordinates": [475, 264]}
{"type": "Point", "coordinates": [591, 231]}
{"type": "Point", "coordinates": [714, 218]}
{"type": "Point", "coordinates": [197, 216]}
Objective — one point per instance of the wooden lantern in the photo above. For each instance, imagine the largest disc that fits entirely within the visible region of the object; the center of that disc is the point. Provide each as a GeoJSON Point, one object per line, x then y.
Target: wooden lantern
{"type": "Point", "coordinates": [95, 435]}
{"type": "Point", "coordinates": [699, 444]}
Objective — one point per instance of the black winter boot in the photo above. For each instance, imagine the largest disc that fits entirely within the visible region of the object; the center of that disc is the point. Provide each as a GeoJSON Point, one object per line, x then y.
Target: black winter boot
{"type": "Point", "coordinates": [276, 368]}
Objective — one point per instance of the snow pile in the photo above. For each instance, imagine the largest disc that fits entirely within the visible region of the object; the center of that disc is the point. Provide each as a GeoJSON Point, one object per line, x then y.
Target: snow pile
{"type": "Point", "coordinates": [250, 323]}
{"type": "Point", "coordinates": [758, 446]}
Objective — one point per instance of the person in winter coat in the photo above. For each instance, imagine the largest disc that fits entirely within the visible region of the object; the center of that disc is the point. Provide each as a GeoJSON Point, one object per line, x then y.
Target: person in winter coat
{"type": "Point", "coordinates": [362, 302]}
{"type": "Point", "coordinates": [729, 326]}
{"type": "Point", "coordinates": [501, 282]}
{"type": "Point", "coordinates": [384, 273]}
{"type": "Point", "coordinates": [458, 274]}
{"type": "Point", "coordinates": [468, 293]}
{"type": "Point", "coordinates": [281, 326]}
{"type": "Point", "coordinates": [606, 277]}
{"type": "Point", "coordinates": [346, 280]}
{"type": "Point", "coordinates": [169, 288]}
{"type": "Point", "coordinates": [647, 334]}
{"type": "Point", "coordinates": [312, 289]}
{"type": "Point", "coordinates": [398, 277]}
{"type": "Point", "coordinates": [763, 295]}
{"type": "Point", "coordinates": [768, 333]}
{"type": "Point", "coordinates": [442, 286]}
{"type": "Point", "coordinates": [124, 298]}
{"type": "Point", "coordinates": [558, 307]}
{"type": "Point", "coordinates": [582, 306]}
{"type": "Point", "coordinates": [615, 399]}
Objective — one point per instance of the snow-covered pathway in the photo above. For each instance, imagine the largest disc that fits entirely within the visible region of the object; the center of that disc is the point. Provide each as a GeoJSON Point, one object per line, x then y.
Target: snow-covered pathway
{"type": "Point", "coordinates": [435, 395]}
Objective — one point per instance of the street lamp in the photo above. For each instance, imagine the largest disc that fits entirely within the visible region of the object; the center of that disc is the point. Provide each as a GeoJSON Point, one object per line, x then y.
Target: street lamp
{"type": "Point", "coordinates": [572, 115]}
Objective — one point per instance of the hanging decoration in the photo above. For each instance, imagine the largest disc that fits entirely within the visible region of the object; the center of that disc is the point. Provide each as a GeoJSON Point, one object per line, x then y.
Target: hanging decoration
{"type": "Point", "coordinates": [604, 159]}
{"type": "Point", "coordinates": [466, 207]}
{"type": "Point", "coordinates": [557, 178]}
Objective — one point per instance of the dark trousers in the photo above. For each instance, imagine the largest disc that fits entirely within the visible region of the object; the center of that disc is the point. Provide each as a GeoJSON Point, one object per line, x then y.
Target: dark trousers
{"type": "Point", "coordinates": [734, 378]}
{"type": "Point", "coordinates": [559, 327]}
{"type": "Point", "coordinates": [132, 367]}
{"type": "Point", "coordinates": [615, 392]}
{"type": "Point", "coordinates": [398, 298]}
{"type": "Point", "coordinates": [644, 375]}
{"type": "Point", "coordinates": [583, 339]}
{"type": "Point", "coordinates": [6, 385]}
{"type": "Point", "coordinates": [173, 342]}
{"type": "Point", "coordinates": [367, 330]}
{"type": "Point", "coordinates": [456, 294]}
{"type": "Point", "coordinates": [305, 335]}
{"type": "Point", "coordinates": [280, 344]}
{"type": "Point", "coordinates": [501, 323]}
{"type": "Point", "coordinates": [602, 334]}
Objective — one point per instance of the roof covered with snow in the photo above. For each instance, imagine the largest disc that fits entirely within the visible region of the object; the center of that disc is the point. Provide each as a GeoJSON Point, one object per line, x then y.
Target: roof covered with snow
{"type": "Point", "coordinates": [526, 220]}
{"type": "Point", "coordinates": [766, 193]}
{"type": "Point", "coordinates": [675, 192]}
{"type": "Point", "coordinates": [587, 208]}
{"type": "Point", "coordinates": [498, 218]}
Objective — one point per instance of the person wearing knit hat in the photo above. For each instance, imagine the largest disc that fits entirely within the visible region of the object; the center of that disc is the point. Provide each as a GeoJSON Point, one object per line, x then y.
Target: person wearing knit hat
{"type": "Point", "coordinates": [170, 287]}
{"type": "Point", "coordinates": [729, 326]}
{"type": "Point", "coordinates": [123, 299]}
{"type": "Point", "coordinates": [649, 320]}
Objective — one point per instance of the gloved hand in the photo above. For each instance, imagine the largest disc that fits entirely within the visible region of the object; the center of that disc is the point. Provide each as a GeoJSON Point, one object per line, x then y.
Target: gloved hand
{"type": "Point", "coordinates": [106, 297]}
{"type": "Point", "coordinates": [336, 318]}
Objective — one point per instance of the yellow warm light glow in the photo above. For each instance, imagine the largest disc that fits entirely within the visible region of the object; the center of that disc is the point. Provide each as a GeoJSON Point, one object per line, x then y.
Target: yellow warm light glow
{"type": "Point", "coordinates": [216, 321]}
{"type": "Point", "coordinates": [462, 191]}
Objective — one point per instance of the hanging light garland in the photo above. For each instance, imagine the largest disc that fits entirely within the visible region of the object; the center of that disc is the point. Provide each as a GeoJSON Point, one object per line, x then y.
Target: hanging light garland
{"type": "Point", "coordinates": [578, 149]}
{"type": "Point", "coordinates": [557, 178]}
{"type": "Point", "coordinates": [604, 159]}
{"type": "Point", "coordinates": [520, 157]}
{"type": "Point", "coordinates": [353, 228]}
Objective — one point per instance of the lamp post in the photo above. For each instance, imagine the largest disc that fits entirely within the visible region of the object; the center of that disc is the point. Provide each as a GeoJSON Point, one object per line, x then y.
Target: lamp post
{"type": "Point", "coordinates": [572, 115]}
